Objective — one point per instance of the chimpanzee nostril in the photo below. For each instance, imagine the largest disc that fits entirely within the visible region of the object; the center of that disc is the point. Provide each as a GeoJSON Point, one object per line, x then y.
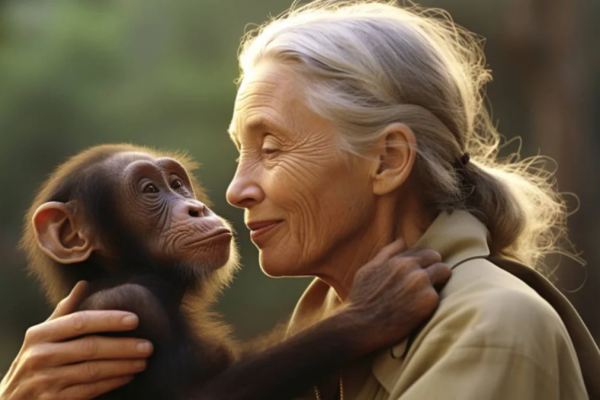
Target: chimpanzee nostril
{"type": "Point", "coordinates": [195, 209]}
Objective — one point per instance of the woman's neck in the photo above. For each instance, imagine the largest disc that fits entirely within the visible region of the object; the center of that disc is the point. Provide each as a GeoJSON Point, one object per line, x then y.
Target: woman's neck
{"type": "Point", "coordinates": [392, 221]}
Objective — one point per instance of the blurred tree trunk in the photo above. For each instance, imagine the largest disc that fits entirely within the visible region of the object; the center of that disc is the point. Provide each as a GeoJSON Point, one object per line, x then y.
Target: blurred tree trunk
{"type": "Point", "coordinates": [546, 40]}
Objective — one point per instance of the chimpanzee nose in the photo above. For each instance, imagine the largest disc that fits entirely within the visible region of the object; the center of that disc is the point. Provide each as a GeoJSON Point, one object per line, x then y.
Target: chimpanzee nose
{"type": "Point", "coordinates": [196, 209]}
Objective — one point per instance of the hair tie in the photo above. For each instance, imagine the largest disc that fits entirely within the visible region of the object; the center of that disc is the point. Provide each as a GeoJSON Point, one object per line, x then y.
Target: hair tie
{"type": "Point", "coordinates": [462, 161]}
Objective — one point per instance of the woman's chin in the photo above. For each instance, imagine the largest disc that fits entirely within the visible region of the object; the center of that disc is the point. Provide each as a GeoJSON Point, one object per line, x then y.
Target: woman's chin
{"type": "Point", "coordinates": [279, 266]}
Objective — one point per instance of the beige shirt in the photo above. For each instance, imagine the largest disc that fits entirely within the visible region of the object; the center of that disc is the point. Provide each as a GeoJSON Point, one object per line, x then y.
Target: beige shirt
{"type": "Point", "coordinates": [492, 337]}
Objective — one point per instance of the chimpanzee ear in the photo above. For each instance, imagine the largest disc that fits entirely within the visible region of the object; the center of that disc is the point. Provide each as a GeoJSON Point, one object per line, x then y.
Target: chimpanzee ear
{"type": "Point", "coordinates": [59, 233]}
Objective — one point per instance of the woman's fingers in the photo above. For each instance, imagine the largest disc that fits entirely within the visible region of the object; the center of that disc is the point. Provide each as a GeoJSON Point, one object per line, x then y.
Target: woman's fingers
{"type": "Point", "coordinates": [69, 304]}
{"type": "Point", "coordinates": [438, 274]}
{"type": "Point", "coordinates": [45, 366]}
{"type": "Point", "coordinates": [92, 348]}
{"type": "Point", "coordinates": [81, 323]}
{"type": "Point", "coordinates": [93, 390]}
{"type": "Point", "coordinates": [95, 371]}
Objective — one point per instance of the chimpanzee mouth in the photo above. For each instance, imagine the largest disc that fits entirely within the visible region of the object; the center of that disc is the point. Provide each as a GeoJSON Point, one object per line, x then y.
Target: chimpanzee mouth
{"type": "Point", "coordinates": [221, 234]}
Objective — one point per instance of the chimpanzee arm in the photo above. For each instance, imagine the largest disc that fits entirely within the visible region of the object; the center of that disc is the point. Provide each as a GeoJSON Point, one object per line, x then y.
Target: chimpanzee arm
{"type": "Point", "coordinates": [287, 369]}
{"type": "Point", "coordinates": [389, 298]}
{"type": "Point", "coordinates": [279, 372]}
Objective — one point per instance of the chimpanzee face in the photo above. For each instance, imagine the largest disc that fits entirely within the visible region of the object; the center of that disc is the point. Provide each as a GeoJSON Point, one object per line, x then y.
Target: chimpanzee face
{"type": "Point", "coordinates": [126, 208]}
{"type": "Point", "coordinates": [160, 207]}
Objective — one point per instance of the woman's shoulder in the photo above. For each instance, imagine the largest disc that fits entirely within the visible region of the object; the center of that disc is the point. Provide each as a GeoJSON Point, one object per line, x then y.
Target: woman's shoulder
{"type": "Point", "coordinates": [489, 327]}
{"type": "Point", "coordinates": [483, 305]}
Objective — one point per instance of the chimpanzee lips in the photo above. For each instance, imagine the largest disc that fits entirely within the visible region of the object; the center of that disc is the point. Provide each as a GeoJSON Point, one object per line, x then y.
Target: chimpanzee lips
{"type": "Point", "coordinates": [220, 234]}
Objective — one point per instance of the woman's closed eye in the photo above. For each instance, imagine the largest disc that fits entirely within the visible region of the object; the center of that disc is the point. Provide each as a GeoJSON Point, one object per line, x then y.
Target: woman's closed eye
{"type": "Point", "coordinates": [270, 151]}
{"type": "Point", "coordinates": [270, 146]}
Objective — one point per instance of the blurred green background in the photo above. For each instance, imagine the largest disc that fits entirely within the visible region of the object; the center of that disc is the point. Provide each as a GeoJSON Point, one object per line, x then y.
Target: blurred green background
{"type": "Point", "coordinates": [79, 73]}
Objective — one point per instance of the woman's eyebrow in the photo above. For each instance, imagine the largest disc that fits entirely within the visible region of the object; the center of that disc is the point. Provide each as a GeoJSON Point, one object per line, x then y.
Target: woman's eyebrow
{"type": "Point", "coordinates": [254, 126]}
{"type": "Point", "coordinates": [257, 124]}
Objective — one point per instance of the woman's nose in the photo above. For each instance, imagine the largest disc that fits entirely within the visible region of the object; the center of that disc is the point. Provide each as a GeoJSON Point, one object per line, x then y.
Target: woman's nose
{"type": "Point", "coordinates": [243, 192]}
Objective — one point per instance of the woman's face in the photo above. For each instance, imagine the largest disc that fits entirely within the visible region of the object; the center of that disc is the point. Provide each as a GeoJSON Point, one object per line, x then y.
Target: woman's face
{"type": "Point", "coordinates": [304, 199]}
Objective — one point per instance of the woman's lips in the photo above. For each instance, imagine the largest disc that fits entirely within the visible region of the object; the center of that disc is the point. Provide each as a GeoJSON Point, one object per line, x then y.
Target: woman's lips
{"type": "Point", "coordinates": [260, 228]}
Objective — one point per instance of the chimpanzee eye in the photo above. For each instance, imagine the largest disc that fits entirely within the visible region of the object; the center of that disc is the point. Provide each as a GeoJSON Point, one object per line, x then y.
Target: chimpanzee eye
{"type": "Point", "coordinates": [176, 184]}
{"type": "Point", "coordinates": [150, 188]}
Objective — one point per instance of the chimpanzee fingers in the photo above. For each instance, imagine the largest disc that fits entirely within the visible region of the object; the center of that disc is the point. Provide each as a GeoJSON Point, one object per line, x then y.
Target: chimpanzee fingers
{"type": "Point", "coordinates": [424, 257]}
{"type": "Point", "coordinates": [83, 323]}
{"type": "Point", "coordinates": [388, 252]}
{"type": "Point", "coordinates": [69, 304]}
{"type": "Point", "coordinates": [94, 371]}
{"type": "Point", "coordinates": [93, 390]}
{"type": "Point", "coordinates": [438, 274]}
{"type": "Point", "coordinates": [96, 348]}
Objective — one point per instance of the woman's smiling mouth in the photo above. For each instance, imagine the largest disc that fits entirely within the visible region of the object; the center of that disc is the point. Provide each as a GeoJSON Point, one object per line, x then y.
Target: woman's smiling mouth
{"type": "Point", "coordinates": [260, 228]}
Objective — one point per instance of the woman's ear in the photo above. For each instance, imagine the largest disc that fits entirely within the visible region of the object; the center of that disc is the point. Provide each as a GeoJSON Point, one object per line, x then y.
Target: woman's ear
{"type": "Point", "coordinates": [59, 234]}
{"type": "Point", "coordinates": [396, 151]}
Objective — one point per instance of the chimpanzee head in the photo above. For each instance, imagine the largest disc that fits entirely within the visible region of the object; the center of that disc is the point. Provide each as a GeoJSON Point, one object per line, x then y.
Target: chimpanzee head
{"type": "Point", "coordinates": [122, 209]}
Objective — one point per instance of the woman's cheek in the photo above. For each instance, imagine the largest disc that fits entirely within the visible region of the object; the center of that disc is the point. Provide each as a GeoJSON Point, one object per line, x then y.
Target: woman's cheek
{"type": "Point", "coordinates": [300, 235]}
{"type": "Point", "coordinates": [298, 171]}
{"type": "Point", "coordinates": [293, 187]}
{"type": "Point", "coordinates": [302, 223]}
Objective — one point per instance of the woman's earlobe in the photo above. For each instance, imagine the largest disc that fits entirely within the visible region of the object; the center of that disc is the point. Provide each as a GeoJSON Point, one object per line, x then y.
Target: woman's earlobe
{"type": "Point", "coordinates": [397, 154]}
{"type": "Point", "coordinates": [59, 234]}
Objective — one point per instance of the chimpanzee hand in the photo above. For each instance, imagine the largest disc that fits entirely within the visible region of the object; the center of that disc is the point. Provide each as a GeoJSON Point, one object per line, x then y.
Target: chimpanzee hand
{"type": "Point", "coordinates": [394, 293]}
{"type": "Point", "coordinates": [56, 363]}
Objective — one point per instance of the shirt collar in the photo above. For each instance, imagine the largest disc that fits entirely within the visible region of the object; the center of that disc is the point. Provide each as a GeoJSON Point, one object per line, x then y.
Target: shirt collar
{"type": "Point", "coordinates": [457, 236]}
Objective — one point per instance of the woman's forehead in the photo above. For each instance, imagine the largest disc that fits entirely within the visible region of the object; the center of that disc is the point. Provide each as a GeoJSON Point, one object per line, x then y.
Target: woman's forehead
{"type": "Point", "coordinates": [271, 96]}
{"type": "Point", "coordinates": [269, 84]}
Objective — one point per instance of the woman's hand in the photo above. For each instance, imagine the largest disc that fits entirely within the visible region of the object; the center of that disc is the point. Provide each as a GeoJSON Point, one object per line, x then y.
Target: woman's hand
{"type": "Point", "coordinates": [394, 293]}
{"type": "Point", "coordinates": [55, 362]}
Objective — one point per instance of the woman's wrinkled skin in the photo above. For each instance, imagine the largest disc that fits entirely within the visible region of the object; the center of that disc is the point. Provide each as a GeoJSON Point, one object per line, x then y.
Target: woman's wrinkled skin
{"type": "Point", "coordinates": [334, 209]}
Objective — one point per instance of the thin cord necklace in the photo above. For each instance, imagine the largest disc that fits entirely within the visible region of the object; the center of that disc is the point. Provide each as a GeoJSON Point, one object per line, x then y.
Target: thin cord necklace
{"type": "Point", "coordinates": [318, 393]}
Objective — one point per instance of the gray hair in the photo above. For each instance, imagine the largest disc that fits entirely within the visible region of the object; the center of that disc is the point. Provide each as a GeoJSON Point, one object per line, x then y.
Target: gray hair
{"type": "Point", "coordinates": [369, 64]}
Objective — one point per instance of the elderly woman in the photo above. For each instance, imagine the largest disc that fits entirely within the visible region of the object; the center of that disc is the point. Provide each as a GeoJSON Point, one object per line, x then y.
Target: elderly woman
{"type": "Point", "coordinates": [359, 123]}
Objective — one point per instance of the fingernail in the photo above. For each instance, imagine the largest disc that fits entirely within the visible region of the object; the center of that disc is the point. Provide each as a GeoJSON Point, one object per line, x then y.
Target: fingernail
{"type": "Point", "coordinates": [144, 347]}
{"type": "Point", "coordinates": [130, 320]}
